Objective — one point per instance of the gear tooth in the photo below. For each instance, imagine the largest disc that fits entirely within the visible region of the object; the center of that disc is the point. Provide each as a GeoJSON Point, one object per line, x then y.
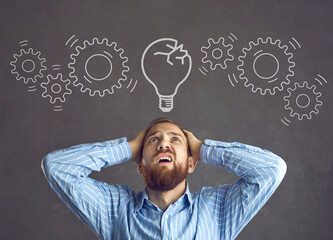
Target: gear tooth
{"type": "Point", "coordinates": [251, 45]}
{"type": "Point", "coordinates": [26, 80]}
{"type": "Point", "coordinates": [297, 85]}
{"type": "Point", "coordinates": [271, 91]}
{"type": "Point", "coordinates": [261, 91]}
{"type": "Point", "coordinates": [285, 98]}
{"type": "Point", "coordinates": [98, 41]}
{"type": "Point", "coordinates": [126, 69]}
{"type": "Point", "coordinates": [318, 95]}
{"type": "Point", "coordinates": [319, 103]}
{"type": "Point", "coordinates": [210, 42]}
{"type": "Point", "coordinates": [75, 83]}
{"type": "Point", "coordinates": [15, 58]}
{"type": "Point", "coordinates": [220, 40]}
{"type": "Point", "coordinates": [105, 41]}
{"type": "Point", "coordinates": [66, 81]}
{"type": "Point", "coordinates": [204, 49]}
{"type": "Point", "coordinates": [265, 41]}
{"type": "Point", "coordinates": [100, 93]}
{"type": "Point", "coordinates": [240, 58]}
{"type": "Point", "coordinates": [274, 42]}
{"type": "Point", "coordinates": [121, 51]}
{"type": "Point", "coordinates": [285, 49]}
{"type": "Point", "coordinates": [246, 83]}
{"type": "Point", "coordinates": [124, 76]}
{"type": "Point", "coordinates": [78, 49]}
{"type": "Point", "coordinates": [85, 44]}
{"type": "Point", "coordinates": [259, 41]}
{"type": "Point", "coordinates": [212, 66]}
{"type": "Point", "coordinates": [254, 89]}
{"type": "Point", "coordinates": [94, 41]}
{"type": "Point", "coordinates": [229, 47]}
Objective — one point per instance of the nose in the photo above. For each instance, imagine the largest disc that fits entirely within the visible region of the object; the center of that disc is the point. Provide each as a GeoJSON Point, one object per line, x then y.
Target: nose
{"type": "Point", "coordinates": [163, 145]}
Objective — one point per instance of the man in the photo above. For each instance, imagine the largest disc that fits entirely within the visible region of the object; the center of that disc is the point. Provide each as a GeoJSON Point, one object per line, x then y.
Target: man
{"type": "Point", "coordinates": [164, 153]}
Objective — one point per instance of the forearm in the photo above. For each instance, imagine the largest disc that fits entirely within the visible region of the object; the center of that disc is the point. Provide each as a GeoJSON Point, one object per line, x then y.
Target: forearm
{"type": "Point", "coordinates": [74, 164]}
{"type": "Point", "coordinates": [243, 160]}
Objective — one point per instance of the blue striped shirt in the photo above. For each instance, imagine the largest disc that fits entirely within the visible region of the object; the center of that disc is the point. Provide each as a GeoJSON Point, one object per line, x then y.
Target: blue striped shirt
{"type": "Point", "coordinates": [116, 212]}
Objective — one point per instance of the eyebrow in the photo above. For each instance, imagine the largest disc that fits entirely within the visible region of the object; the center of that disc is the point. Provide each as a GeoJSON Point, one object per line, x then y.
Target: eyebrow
{"type": "Point", "coordinates": [169, 133]}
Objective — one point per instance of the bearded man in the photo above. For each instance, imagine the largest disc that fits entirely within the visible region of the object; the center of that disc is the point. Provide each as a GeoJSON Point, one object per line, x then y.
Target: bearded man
{"type": "Point", "coordinates": [164, 153]}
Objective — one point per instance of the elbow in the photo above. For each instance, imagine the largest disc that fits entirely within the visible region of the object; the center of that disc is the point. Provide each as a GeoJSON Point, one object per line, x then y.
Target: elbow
{"type": "Point", "coordinates": [281, 169]}
{"type": "Point", "coordinates": [45, 164]}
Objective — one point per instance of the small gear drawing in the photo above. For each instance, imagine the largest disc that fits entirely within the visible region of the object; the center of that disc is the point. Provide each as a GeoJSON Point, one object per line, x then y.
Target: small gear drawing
{"type": "Point", "coordinates": [28, 65]}
{"type": "Point", "coordinates": [94, 55]}
{"type": "Point", "coordinates": [273, 57]}
{"type": "Point", "coordinates": [302, 100]}
{"type": "Point", "coordinates": [56, 88]}
{"type": "Point", "coordinates": [217, 53]}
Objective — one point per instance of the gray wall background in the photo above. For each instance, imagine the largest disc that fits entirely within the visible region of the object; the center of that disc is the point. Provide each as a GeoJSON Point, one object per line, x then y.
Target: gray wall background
{"type": "Point", "coordinates": [209, 106]}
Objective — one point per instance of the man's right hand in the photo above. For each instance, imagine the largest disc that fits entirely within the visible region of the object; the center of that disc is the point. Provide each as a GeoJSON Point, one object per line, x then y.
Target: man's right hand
{"type": "Point", "coordinates": [136, 146]}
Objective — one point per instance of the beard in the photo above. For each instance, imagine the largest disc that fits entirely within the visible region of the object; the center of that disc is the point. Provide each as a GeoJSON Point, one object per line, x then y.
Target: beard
{"type": "Point", "coordinates": [162, 179]}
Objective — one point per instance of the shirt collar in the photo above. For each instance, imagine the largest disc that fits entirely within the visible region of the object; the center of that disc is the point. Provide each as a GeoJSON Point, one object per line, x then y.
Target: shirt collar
{"type": "Point", "coordinates": [144, 195]}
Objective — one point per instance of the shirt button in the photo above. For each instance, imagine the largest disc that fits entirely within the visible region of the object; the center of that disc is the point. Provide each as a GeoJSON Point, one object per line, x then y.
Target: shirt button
{"type": "Point", "coordinates": [166, 216]}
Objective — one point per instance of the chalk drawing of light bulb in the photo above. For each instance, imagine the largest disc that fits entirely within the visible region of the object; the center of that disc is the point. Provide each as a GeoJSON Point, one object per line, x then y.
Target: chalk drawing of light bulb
{"type": "Point", "coordinates": [166, 65]}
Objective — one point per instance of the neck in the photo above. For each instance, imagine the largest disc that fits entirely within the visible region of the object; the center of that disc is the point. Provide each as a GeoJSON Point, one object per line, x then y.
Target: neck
{"type": "Point", "coordinates": [164, 199]}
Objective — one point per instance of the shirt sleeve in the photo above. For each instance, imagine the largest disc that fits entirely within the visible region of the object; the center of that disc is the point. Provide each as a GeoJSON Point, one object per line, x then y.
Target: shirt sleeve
{"type": "Point", "coordinates": [234, 205]}
{"type": "Point", "coordinates": [95, 203]}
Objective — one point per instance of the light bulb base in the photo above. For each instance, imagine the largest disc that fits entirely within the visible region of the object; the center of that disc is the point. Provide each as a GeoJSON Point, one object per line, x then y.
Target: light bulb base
{"type": "Point", "coordinates": [166, 103]}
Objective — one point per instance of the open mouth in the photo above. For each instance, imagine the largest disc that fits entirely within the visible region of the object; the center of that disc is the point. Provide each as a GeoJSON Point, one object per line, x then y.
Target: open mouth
{"type": "Point", "coordinates": [164, 158]}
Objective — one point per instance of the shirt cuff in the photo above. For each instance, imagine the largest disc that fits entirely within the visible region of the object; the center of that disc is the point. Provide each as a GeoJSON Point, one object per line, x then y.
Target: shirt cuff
{"type": "Point", "coordinates": [212, 151]}
{"type": "Point", "coordinates": [119, 151]}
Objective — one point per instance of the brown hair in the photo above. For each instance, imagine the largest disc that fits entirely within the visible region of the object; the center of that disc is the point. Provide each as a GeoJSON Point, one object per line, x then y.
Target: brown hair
{"type": "Point", "coordinates": [165, 120]}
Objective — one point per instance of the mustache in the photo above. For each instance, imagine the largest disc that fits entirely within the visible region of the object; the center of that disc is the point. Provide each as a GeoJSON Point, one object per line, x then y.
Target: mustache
{"type": "Point", "coordinates": [163, 151]}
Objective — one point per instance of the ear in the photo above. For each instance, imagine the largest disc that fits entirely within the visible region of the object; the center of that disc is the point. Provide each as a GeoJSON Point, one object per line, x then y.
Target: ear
{"type": "Point", "coordinates": [139, 167]}
{"type": "Point", "coordinates": [192, 163]}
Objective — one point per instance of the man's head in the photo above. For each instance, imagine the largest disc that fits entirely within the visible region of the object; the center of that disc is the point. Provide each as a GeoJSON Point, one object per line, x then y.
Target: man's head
{"type": "Point", "coordinates": [166, 159]}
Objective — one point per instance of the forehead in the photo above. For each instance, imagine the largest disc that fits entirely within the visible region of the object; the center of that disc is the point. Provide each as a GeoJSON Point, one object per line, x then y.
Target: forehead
{"type": "Point", "coordinates": [165, 128]}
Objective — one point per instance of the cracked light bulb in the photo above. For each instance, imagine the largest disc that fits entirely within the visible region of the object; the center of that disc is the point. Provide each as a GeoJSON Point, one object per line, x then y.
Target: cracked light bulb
{"type": "Point", "coordinates": [166, 65]}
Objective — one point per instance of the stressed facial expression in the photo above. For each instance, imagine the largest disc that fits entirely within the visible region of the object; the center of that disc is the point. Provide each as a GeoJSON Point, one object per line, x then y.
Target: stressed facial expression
{"type": "Point", "coordinates": [165, 161]}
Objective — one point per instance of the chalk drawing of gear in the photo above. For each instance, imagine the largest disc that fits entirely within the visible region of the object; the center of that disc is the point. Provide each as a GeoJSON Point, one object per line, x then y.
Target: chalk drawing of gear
{"type": "Point", "coordinates": [303, 100]}
{"type": "Point", "coordinates": [56, 88]}
{"type": "Point", "coordinates": [217, 53]}
{"type": "Point", "coordinates": [28, 65]}
{"type": "Point", "coordinates": [266, 66]}
{"type": "Point", "coordinates": [98, 67]}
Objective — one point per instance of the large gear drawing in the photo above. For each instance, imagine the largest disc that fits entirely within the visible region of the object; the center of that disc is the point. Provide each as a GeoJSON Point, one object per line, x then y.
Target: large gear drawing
{"type": "Point", "coordinates": [87, 55]}
{"type": "Point", "coordinates": [302, 100]}
{"type": "Point", "coordinates": [217, 53]}
{"type": "Point", "coordinates": [266, 52]}
{"type": "Point", "coordinates": [28, 65]}
{"type": "Point", "coordinates": [56, 88]}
